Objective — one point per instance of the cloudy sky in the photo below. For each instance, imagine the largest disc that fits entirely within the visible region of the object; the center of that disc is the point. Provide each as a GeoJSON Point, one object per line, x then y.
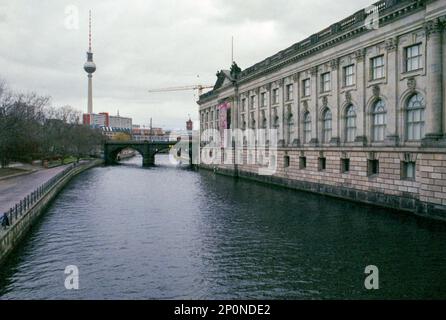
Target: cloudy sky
{"type": "Point", "coordinates": [145, 44]}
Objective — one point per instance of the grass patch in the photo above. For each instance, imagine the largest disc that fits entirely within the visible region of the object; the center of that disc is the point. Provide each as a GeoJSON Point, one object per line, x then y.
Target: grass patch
{"type": "Point", "coordinates": [57, 163]}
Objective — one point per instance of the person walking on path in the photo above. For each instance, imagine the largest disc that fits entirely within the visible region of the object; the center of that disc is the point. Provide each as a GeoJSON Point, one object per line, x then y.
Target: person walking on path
{"type": "Point", "coordinates": [5, 221]}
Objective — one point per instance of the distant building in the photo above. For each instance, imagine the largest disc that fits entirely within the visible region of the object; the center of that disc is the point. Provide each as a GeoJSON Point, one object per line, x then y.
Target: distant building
{"type": "Point", "coordinates": [120, 122]}
{"type": "Point", "coordinates": [111, 132]}
{"type": "Point", "coordinates": [109, 125]}
{"type": "Point", "coordinates": [148, 134]}
{"type": "Point", "coordinates": [96, 120]}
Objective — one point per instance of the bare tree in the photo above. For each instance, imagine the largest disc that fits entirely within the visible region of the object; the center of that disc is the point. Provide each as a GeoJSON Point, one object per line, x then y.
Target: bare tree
{"type": "Point", "coordinates": [30, 128]}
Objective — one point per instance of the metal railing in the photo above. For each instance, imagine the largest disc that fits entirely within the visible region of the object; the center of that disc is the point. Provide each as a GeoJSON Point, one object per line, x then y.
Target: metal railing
{"type": "Point", "coordinates": [20, 208]}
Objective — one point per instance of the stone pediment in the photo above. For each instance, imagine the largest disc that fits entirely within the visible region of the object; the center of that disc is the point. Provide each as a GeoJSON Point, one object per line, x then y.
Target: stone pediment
{"type": "Point", "coordinates": [223, 79]}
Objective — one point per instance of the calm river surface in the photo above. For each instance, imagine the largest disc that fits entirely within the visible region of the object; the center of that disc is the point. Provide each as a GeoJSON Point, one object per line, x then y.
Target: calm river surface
{"type": "Point", "coordinates": [169, 232]}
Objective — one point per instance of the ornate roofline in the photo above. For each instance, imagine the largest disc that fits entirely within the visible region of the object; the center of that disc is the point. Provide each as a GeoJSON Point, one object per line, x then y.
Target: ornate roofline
{"type": "Point", "coordinates": [346, 29]}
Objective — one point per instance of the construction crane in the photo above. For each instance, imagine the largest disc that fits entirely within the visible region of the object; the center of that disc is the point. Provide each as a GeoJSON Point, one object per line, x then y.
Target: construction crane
{"type": "Point", "coordinates": [198, 87]}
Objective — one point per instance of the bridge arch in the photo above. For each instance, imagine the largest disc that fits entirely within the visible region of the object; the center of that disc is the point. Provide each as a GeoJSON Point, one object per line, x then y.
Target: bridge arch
{"type": "Point", "coordinates": [147, 149]}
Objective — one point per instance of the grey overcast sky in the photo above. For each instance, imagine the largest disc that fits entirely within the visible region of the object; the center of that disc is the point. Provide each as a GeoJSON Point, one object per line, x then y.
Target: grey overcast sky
{"type": "Point", "coordinates": [143, 44]}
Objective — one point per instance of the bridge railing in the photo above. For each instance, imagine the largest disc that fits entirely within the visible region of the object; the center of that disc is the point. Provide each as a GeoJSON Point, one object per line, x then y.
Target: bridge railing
{"type": "Point", "coordinates": [20, 208]}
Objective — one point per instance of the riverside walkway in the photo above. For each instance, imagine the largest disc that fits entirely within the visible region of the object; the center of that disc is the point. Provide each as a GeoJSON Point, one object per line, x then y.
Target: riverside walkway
{"type": "Point", "coordinates": [13, 190]}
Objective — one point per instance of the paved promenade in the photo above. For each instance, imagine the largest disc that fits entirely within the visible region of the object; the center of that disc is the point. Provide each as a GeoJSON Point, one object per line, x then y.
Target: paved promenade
{"type": "Point", "coordinates": [15, 189]}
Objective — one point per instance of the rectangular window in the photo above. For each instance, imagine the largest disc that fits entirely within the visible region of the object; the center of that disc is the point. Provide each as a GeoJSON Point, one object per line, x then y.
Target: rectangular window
{"type": "Point", "coordinates": [306, 88]}
{"type": "Point", "coordinates": [302, 162]}
{"type": "Point", "coordinates": [253, 102]}
{"type": "Point", "coordinates": [325, 82]}
{"type": "Point", "coordinates": [286, 161]}
{"type": "Point", "coordinates": [243, 105]}
{"type": "Point", "coordinates": [349, 75]}
{"type": "Point", "coordinates": [372, 167]}
{"type": "Point", "coordinates": [275, 96]}
{"type": "Point", "coordinates": [413, 57]}
{"type": "Point", "coordinates": [408, 170]}
{"type": "Point", "coordinates": [322, 162]}
{"type": "Point", "coordinates": [263, 99]}
{"type": "Point", "coordinates": [289, 92]}
{"type": "Point", "coordinates": [345, 165]}
{"type": "Point", "coordinates": [377, 65]}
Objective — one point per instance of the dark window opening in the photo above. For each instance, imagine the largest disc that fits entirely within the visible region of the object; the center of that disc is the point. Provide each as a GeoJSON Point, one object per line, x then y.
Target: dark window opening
{"type": "Point", "coordinates": [286, 161]}
{"type": "Point", "coordinates": [302, 162]}
{"type": "Point", "coordinates": [373, 167]}
{"type": "Point", "coordinates": [408, 170]}
{"type": "Point", "coordinates": [345, 165]}
{"type": "Point", "coordinates": [322, 164]}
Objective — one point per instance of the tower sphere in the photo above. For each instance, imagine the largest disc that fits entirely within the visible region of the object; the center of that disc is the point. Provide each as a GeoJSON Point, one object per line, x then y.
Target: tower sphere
{"type": "Point", "coordinates": [90, 67]}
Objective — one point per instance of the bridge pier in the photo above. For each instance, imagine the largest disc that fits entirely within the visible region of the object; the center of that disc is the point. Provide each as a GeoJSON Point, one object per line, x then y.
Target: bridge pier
{"type": "Point", "coordinates": [148, 157]}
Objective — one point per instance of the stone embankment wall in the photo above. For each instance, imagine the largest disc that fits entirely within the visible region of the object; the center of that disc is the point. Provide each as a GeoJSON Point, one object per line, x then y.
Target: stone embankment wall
{"type": "Point", "coordinates": [11, 237]}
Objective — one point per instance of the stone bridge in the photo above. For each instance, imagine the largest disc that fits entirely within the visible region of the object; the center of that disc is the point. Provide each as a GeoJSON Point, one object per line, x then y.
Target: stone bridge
{"type": "Point", "coordinates": [147, 149]}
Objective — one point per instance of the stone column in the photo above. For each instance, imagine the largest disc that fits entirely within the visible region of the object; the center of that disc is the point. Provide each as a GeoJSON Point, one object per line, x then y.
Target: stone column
{"type": "Point", "coordinates": [235, 112]}
{"type": "Point", "coordinates": [361, 108]}
{"type": "Point", "coordinates": [335, 111]}
{"type": "Point", "coordinates": [281, 114]}
{"type": "Point", "coordinates": [257, 109]}
{"type": "Point", "coordinates": [434, 102]}
{"type": "Point", "coordinates": [296, 110]}
{"type": "Point", "coordinates": [268, 106]}
{"type": "Point", "coordinates": [392, 137]}
{"type": "Point", "coordinates": [314, 107]}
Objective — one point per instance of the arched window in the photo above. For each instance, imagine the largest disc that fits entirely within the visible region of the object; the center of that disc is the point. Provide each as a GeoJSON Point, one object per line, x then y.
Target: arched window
{"type": "Point", "coordinates": [415, 117]}
{"type": "Point", "coordinates": [350, 124]}
{"type": "Point", "coordinates": [379, 121]}
{"type": "Point", "coordinates": [327, 126]}
{"type": "Point", "coordinates": [307, 127]}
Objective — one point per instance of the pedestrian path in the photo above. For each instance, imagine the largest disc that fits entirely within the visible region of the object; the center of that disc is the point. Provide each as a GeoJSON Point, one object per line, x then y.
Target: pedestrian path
{"type": "Point", "coordinates": [15, 189]}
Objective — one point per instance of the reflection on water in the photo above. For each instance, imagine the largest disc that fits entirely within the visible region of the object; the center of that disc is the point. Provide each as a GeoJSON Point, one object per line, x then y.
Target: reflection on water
{"type": "Point", "coordinates": [170, 232]}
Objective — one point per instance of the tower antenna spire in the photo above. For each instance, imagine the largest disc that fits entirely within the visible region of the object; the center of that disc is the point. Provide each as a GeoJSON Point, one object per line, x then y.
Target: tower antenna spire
{"type": "Point", "coordinates": [89, 31]}
{"type": "Point", "coordinates": [90, 68]}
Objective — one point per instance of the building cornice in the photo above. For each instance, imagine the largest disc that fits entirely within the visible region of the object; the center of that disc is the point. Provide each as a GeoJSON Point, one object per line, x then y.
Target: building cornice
{"type": "Point", "coordinates": [342, 31]}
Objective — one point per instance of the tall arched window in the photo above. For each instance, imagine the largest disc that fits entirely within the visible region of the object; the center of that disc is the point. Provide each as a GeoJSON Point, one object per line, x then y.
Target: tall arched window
{"type": "Point", "coordinates": [379, 121]}
{"type": "Point", "coordinates": [307, 127]}
{"type": "Point", "coordinates": [415, 117]}
{"type": "Point", "coordinates": [350, 124]}
{"type": "Point", "coordinates": [326, 126]}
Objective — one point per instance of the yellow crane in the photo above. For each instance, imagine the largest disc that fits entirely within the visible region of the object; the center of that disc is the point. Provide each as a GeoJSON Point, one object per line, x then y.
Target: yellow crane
{"type": "Point", "coordinates": [198, 87]}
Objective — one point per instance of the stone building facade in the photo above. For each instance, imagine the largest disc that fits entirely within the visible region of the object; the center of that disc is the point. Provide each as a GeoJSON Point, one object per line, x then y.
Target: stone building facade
{"type": "Point", "coordinates": [360, 111]}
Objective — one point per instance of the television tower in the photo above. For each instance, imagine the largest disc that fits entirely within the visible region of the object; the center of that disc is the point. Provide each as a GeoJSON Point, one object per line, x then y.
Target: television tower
{"type": "Point", "coordinates": [90, 67]}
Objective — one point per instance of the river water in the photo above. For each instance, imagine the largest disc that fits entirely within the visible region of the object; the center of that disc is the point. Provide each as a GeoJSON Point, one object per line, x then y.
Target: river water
{"type": "Point", "coordinates": [169, 232]}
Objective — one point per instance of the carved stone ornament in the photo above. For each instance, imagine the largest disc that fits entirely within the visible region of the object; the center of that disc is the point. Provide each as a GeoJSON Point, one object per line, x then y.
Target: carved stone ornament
{"type": "Point", "coordinates": [411, 83]}
{"type": "Point", "coordinates": [324, 101]}
{"type": "Point", "coordinates": [348, 96]}
{"type": "Point", "coordinates": [268, 86]}
{"type": "Point", "coordinates": [434, 26]}
{"type": "Point", "coordinates": [360, 54]}
{"type": "Point", "coordinates": [376, 91]}
{"type": "Point", "coordinates": [280, 81]}
{"type": "Point", "coordinates": [391, 44]}
{"type": "Point", "coordinates": [295, 77]}
{"type": "Point", "coordinates": [313, 71]}
{"type": "Point", "coordinates": [305, 105]}
{"type": "Point", "coordinates": [334, 64]}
